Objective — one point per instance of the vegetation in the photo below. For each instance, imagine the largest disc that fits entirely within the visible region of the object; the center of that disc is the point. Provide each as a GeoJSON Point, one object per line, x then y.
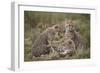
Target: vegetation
{"type": "Point", "coordinates": [36, 22]}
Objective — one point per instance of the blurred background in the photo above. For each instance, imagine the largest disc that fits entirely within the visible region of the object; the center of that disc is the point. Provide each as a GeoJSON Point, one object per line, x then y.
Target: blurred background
{"type": "Point", "coordinates": [36, 22]}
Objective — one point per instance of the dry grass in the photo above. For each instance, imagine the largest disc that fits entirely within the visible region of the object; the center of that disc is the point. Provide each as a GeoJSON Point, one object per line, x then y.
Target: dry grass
{"type": "Point", "coordinates": [32, 29]}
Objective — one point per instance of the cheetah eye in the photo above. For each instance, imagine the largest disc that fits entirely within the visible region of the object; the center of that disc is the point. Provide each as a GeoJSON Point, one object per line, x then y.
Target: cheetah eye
{"type": "Point", "coordinates": [56, 27]}
{"type": "Point", "coordinates": [70, 42]}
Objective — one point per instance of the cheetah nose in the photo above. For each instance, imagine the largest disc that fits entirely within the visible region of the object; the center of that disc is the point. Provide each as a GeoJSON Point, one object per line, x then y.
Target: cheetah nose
{"type": "Point", "coordinates": [60, 50]}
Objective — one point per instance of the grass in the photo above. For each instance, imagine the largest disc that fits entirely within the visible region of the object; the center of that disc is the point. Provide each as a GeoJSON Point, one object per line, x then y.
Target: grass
{"type": "Point", "coordinates": [82, 22]}
{"type": "Point", "coordinates": [80, 54]}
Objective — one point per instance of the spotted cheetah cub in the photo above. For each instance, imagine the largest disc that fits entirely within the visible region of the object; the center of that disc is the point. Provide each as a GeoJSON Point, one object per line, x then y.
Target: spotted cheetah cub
{"type": "Point", "coordinates": [41, 44]}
